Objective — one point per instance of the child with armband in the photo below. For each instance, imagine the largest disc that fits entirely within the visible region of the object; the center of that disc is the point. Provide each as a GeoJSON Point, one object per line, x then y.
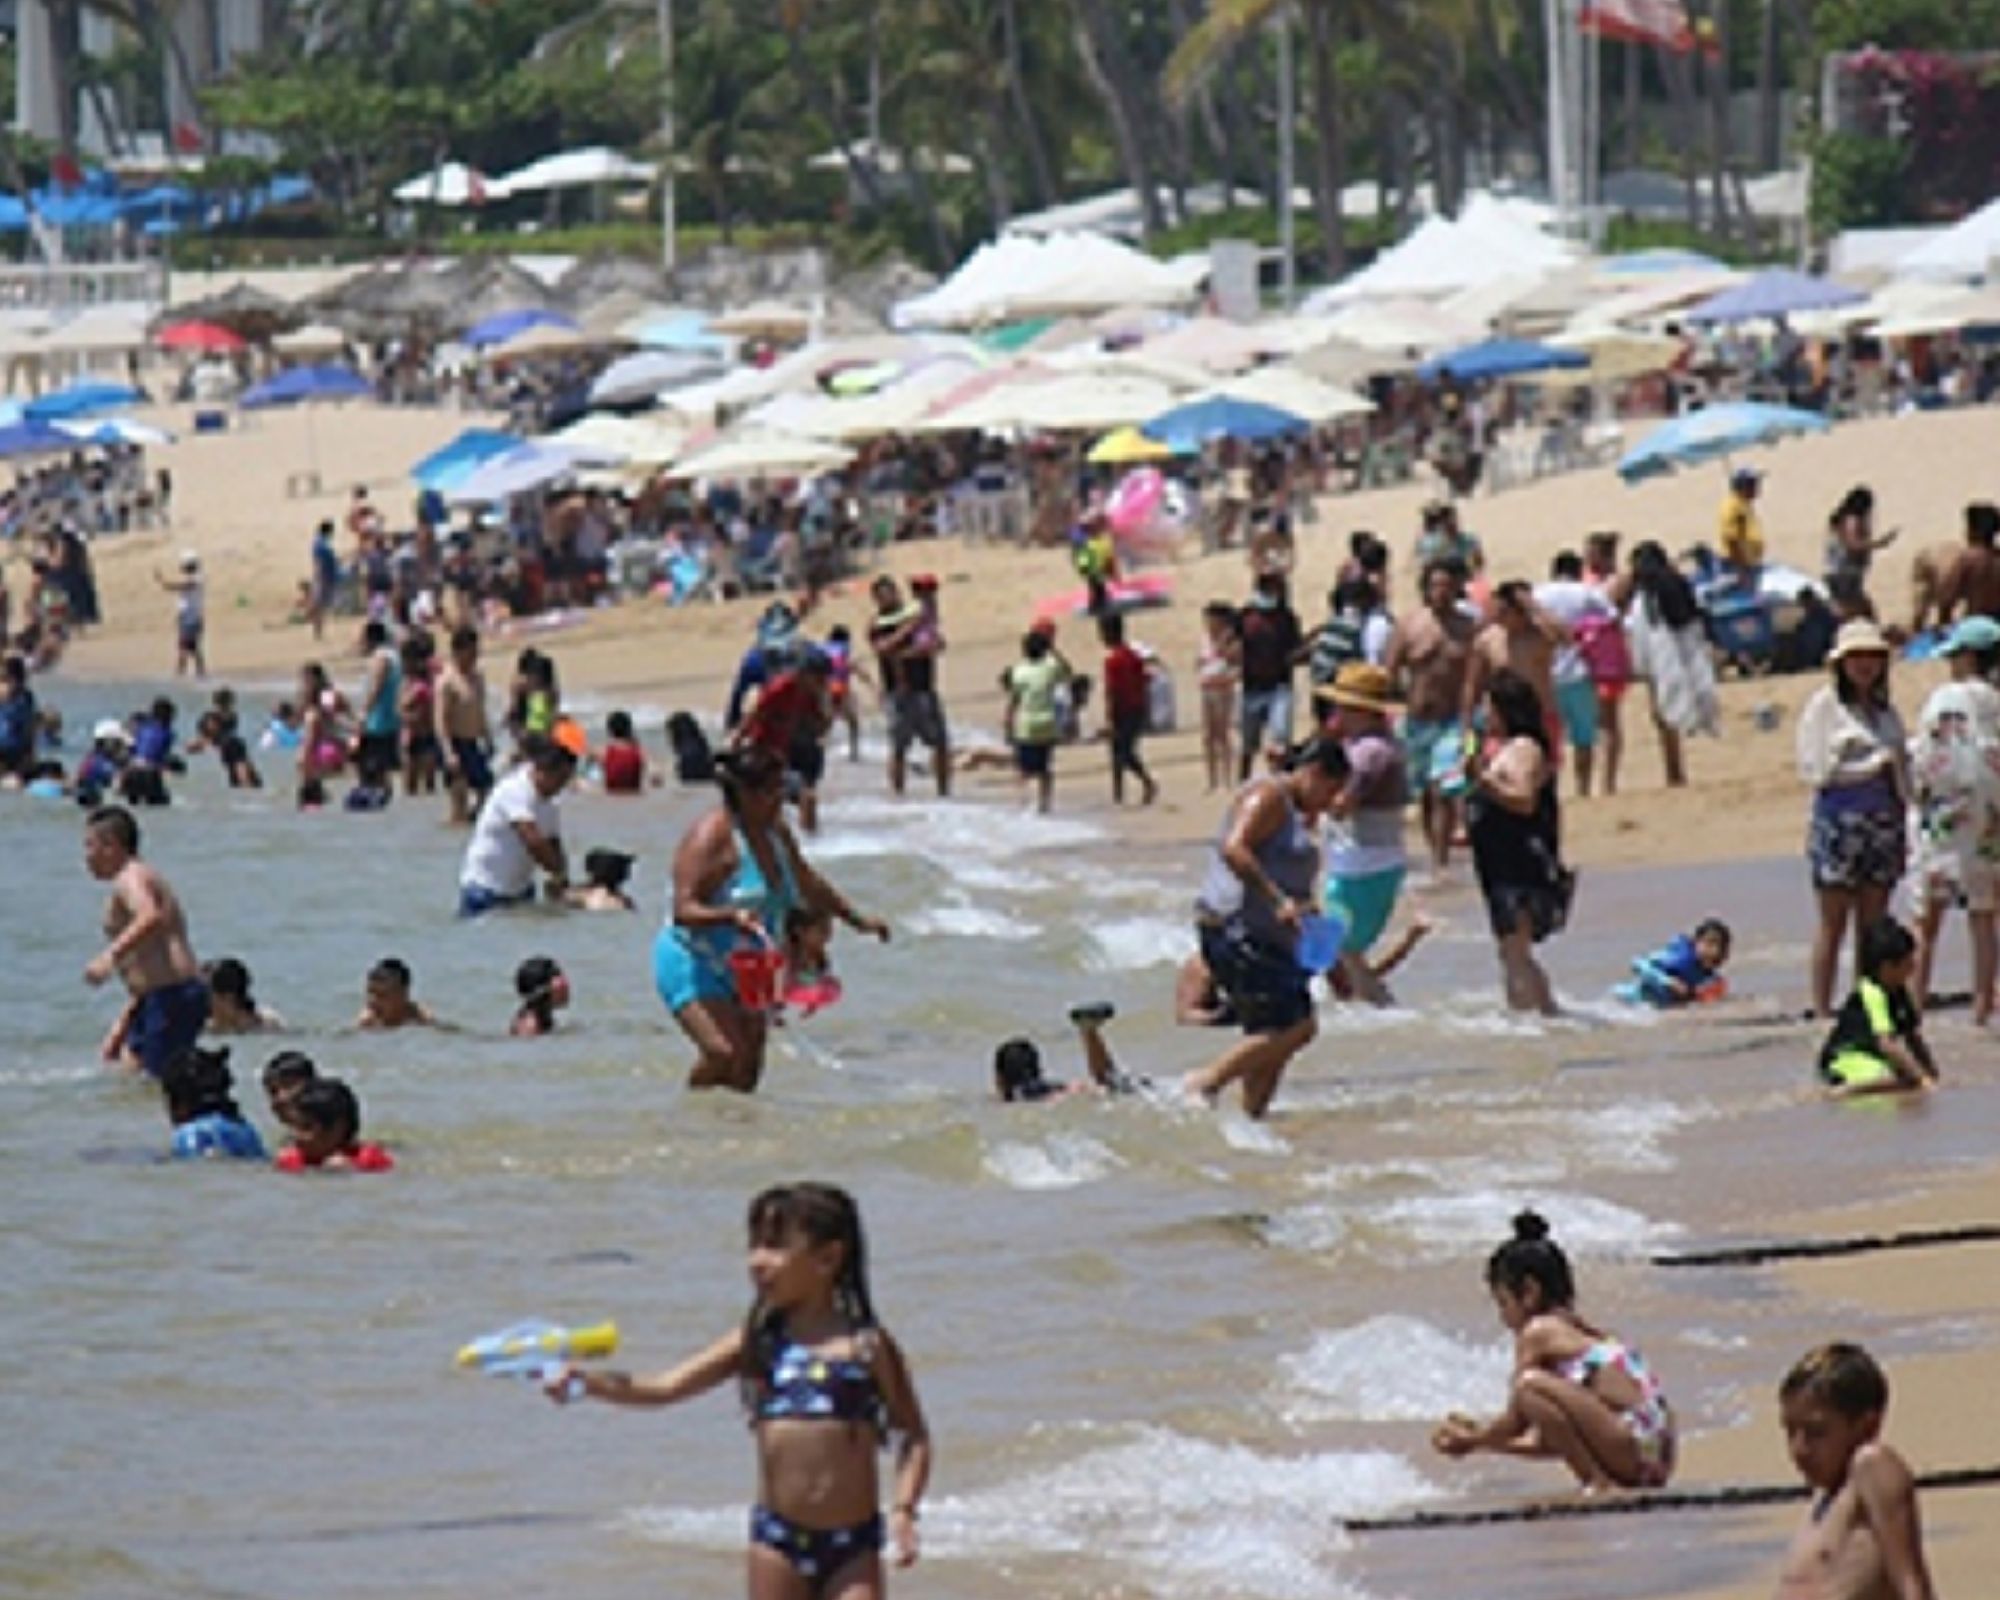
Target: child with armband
{"type": "Point", "coordinates": [1686, 970]}
{"type": "Point", "coordinates": [1861, 1539]}
{"type": "Point", "coordinates": [326, 1133]}
{"type": "Point", "coordinates": [544, 990]}
{"type": "Point", "coordinates": [825, 1387]}
{"type": "Point", "coordinates": [202, 1107]}
{"type": "Point", "coordinates": [285, 1074]}
{"type": "Point", "coordinates": [1877, 1045]}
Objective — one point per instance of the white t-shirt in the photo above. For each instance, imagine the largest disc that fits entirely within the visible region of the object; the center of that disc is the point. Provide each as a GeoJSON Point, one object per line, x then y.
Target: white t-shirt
{"type": "Point", "coordinates": [496, 860]}
{"type": "Point", "coordinates": [1572, 603]}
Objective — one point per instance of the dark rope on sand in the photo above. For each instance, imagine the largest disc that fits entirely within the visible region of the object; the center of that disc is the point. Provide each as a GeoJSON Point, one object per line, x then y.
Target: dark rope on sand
{"type": "Point", "coordinates": [1728, 1497]}
{"type": "Point", "coordinates": [1815, 1249]}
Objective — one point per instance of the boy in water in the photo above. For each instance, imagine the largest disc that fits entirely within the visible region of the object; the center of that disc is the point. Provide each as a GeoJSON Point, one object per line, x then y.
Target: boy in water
{"type": "Point", "coordinates": [201, 1104]}
{"type": "Point", "coordinates": [149, 948]}
{"type": "Point", "coordinates": [231, 1006]}
{"type": "Point", "coordinates": [1877, 1044]}
{"type": "Point", "coordinates": [326, 1132]}
{"type": "Point", "coordinates": [465, 737]}
{"type": "Point", "coordinates": [1017, 1064]}
{"type": "Point", "coordinates": [544, 990]}
{"type": "Point", "coordinates": [1686, 969]}
{"type": "Point", "coordinates": [1862, 1539]}
{"type": "Point", "coordinates": [387, 1002]}
{"type": "Point", "coordinates": [285, 1074]}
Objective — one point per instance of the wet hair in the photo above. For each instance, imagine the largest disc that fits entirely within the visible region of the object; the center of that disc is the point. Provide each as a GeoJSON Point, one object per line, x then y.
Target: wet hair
{"type": "Point", "coordinates": [751, 769]}
{"type": "Point", "coordinates": [534, 978]}
{"type": "Point", "coordinates": [1531, 1256]}
{"type": "Point", "coordinates": [619, 725]}
{"type": "Point", "coordinates": [1111, 629]}
{"type": "Point", "coordinates": [1567, 566]}
{"type": "Point", "coordinates": [821, 1214]}
{"type": "Point", "coordinates": [289, 1069]}
{"type": "Point", "coordinates": [1716, 926]}
{"type": "Point", "coordinates": [230, 978]}
{"type": "Point", "coordinates": [607, 869]}
{"type": "Point", "coordinates": [1668, 596]}
{"type": "Point", "coordinates": [1017, 1071]}
{"type": "Point", "coordinates": [1884, 942]}
{"type": "Point", "coordinates": [1843, 1377]}
{"type": "Point", "coordinates": [116, 823]}
{"type": "Point", "coordinates": [1517, 708]}
{"type": "Point", "coordinates": [392, 969]}
{"type": "Point", "coordinates": [197, 1083]}
{"type": "Point", "coordinates": [1982, 522]}
{"type": "Point", "coordinates": [326, 1105]}
{"type": "Point", "coordinates": [545, 755]}
{"type": "Point", "coordinates": [1323, 754]}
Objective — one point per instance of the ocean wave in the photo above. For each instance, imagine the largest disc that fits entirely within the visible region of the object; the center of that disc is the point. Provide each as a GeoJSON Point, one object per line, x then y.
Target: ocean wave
{"type": "Point", "coordinates": [1388, 1369]}
{"type": "Point", "coordinates": [1059, 1161]}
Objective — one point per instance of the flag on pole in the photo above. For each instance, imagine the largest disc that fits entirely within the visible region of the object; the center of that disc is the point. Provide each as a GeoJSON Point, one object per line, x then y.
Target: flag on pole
{"type": "Point", "coordinates": [1660, 22]}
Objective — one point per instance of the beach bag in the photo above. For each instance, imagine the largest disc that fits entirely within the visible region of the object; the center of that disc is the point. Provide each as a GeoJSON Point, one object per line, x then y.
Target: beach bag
{"type": "Point", "coordinates": [1601, 643]}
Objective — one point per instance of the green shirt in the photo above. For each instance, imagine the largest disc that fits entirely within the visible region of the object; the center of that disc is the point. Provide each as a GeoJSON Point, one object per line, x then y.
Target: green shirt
{"type": "Point", "coordinates": [1033, 684]}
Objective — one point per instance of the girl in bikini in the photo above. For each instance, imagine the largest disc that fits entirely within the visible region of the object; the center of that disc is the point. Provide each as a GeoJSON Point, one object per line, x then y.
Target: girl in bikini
{"type": "Point", "coordinates": [1580, 1395]}
{"type": "Point", "coordinates": [824, 1386]}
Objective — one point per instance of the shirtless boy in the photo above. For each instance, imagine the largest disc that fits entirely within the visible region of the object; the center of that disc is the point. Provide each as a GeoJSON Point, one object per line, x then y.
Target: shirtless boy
{"type": "Point", "coordinates": [149, 949]}
{"type": "Point", "coordinates": [464, 737]}
{"type": "Point", "coordinates": [1521, 637]}
{"type": "Point", "coordinates": [1861, 1540]}
{"type": "Point", "coordinates": [1429, 654]}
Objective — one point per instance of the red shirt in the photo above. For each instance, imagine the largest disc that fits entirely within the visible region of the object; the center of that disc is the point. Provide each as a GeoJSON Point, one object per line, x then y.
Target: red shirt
{"type": "Point", "coordinates": [362, 1158]}
{"type": "Point", "coordinates": [624, 767]}
{"type": "Point", "coordinates": [787, 710]}
{"type": "Point", "coordinates": [1125, 682]}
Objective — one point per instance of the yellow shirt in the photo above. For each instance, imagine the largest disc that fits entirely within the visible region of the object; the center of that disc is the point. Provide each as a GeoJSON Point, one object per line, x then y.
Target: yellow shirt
{"type": "Point", "coordinates": [1741, 534]}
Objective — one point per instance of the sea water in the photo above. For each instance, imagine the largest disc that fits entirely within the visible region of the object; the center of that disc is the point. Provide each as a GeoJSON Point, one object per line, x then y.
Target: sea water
{"type": "Point", "coordinates": [1164, 1351]}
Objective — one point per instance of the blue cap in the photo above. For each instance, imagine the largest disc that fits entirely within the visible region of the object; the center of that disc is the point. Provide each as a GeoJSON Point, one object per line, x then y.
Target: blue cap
{"type": "Point", "coordinates": [1975, 635]}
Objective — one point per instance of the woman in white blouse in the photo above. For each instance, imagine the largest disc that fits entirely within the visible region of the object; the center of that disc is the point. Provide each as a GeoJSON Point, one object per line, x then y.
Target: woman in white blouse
{"type": "Point", "coordinates": [1852, 751]}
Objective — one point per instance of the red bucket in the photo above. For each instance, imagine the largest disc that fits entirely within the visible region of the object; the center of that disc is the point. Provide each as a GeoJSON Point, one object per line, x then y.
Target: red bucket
{"type": "Point", "coordinates": [759, 972]}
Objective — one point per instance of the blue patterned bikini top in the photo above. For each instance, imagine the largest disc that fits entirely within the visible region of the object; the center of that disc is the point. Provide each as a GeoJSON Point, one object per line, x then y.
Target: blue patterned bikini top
{"type": "Point", "coordinates": [806, 1386]}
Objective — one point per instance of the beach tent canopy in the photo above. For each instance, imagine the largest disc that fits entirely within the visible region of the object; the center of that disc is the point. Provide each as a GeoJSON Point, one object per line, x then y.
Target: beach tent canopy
{"type": "Point", "coordinates": [449, 465]}
{"type": "Point", "coordinates": [1778, 292]}
{"type": "Point", "coordinates": [646, 373]}
{"type": "Point", "coordinates": [1714, 431]}
{"type": "Point", "coordinates": [764, 319]}
{"type": "Point", "coordinates": [1489, 239]}
{"type": "Point", "coordinates": [1616, 355]}
{"type": "Point", "coordinates": [761, 454]}
{"type": "Point", "coordinates": [1123, 447]}
{"type": "Point", "coordinates": [643, 441]}
{"type": "Point", "coordinates": [101, 329]}
{"type": "Point", "coordinates": [531, 465]}
{"type": "Point", "coordinates": [1500, 358]}
{"type": "Point", "coordinates": [1015, 277]}
{"type": "Point", "coordinates": [296, 385]}
{"type": "Point", "coordinates": [504, 325]}
{"type": "Point", "coordinates": [451, 184]}
{"type": "Point", "coordinates": [315, 338]}
{"type": "Point", "coordinates": [573, 169]}
{"type": "Point", "coordinates": [209, 338]}
{"type": "Point", "coordinates": [31, 437]}
{"type": "Point", "coordinates": [1186, 428]}
{"type": "Point", "coordinates": [114, 430]}
{"type": "Point", "coordinates": [81, 400]}
{"type": "Point", "coordinates": [1288, 389]}
{"type": "Point", "coordinates": [1964, 250]}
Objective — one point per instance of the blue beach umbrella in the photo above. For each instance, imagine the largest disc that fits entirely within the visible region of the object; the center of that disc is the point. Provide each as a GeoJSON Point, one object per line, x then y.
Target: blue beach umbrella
{"type": "Point", "coordinates": [34, 438]}
{"type": "Point", "coordinates": [1499, 358]}
{"type": "Point", "coordinates": [1714, 432]}
{"type": "Point", "coordinates": [297, 384]}
{"type": "Point", "coordinates": [445, 468]}
{"type": "Point", "coordinates": [1186, 428]}
{"type": "Point", "coordinates": [504, 325]}
{"type": "Point", "coordinates": [1779, 292]}
{"type": "Point", "coordinates": [80, 400]}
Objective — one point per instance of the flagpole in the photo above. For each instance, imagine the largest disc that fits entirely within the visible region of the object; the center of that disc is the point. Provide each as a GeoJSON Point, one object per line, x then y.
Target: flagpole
{"type": "Point", "coordinates": [1552, 15]}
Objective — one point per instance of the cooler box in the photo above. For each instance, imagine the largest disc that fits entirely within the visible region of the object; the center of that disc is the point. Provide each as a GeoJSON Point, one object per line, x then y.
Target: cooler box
{"type": "Point", "coordinates": [1741, 625]}
{"type": "Point", "coordinates": [211, 421]}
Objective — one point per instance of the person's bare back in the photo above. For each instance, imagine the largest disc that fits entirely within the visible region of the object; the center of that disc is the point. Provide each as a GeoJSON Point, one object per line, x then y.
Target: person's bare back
{"type": "Point", "coordinates": [462, 703]}
{"type": "Point", "coordinates": [1972, 584]}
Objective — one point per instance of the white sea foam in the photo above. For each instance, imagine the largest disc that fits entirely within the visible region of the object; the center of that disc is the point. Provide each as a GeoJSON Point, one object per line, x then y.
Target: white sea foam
{"type": "Point", "coordinates": [953, 836]}
{"type": "Point", "coordinates": [1476, 1220]}
{"type": "Point", "coordinates": [1132, 944]}
{"type": "Point", "coordinates": [1258, 1138]}
{"type": "Point", "coordinates": [1388, 1369]}
{"type": "Point", "coordinates": [1178, 1516]}
{"type": "Point", "coordinates": [1060, 1161]}
{"type": "Point", "coordinates": [973, 922]}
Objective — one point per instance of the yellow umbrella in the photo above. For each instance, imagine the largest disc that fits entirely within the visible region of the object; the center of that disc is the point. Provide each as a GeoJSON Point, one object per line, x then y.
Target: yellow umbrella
{"type": "Point", "coordinates": [1124, 445]}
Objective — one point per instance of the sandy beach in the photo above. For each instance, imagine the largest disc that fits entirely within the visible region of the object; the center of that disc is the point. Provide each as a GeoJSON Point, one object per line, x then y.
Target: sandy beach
{"type": "Point", "coordinates": [1745, 802]}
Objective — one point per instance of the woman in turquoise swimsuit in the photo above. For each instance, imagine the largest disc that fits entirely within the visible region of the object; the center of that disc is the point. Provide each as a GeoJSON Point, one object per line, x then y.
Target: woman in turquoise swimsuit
{"type": "Point", "coordinates": [738, 875]}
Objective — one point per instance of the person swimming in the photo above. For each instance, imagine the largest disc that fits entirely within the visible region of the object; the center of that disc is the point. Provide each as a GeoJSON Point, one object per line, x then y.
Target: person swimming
{"type": "Point", "coordinates": [202, 1107]}
{"type": "Point", "coordinates": [1017, 1063]}
{"type": "Point", "coordinates": [326, 1132]}
{"type": "Point", "coordinates": [544, 991]}
{"type": "Point", "coordinates": [387, 1001]}
{"type": "Point", "coordinates": [1686, 970]}
{"type": "Point", "coordinates": [605, 873]}
{"type": "Point", "coordinates": [285, 1074]}
{"type": "Point", "coordinates": [231, 1006]}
